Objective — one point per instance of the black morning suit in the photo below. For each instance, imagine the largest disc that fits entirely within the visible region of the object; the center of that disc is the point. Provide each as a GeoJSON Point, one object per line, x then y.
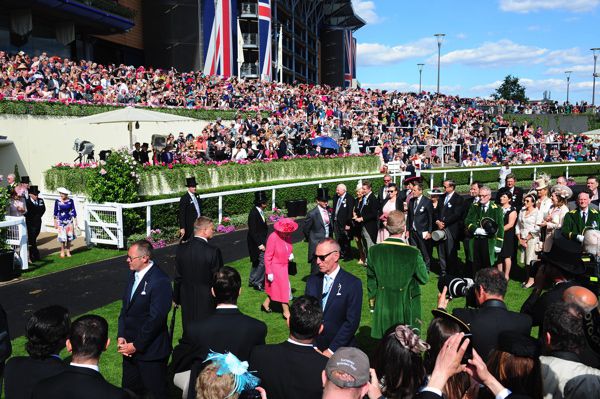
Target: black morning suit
{"type": "Point", "coordinates": [33, 218]}
{"type": "Point", "coordinates": [289, 371]}
{"type": "Point", "coordinates": [488, 321]}
{"type": "Point", "coordinates": [537, 304]}
{"type": "Point", "coordinates": [342, 218]}
{"type": "Point", "coordinates": [451, 213]}
{"type": "Point", "coordinates": [421, 215]}
{"type": "Point", "coordinates": [197, 261]}
{"type": "Point", "coordinates": [227, 330]}
{"type": "Point", "coordinates": [368, 212]}
{"type": "Point", "coordinates": [75, 383]}
{"type": "Point", "coordinates": [23, 368]}
{"type": "Point", "coordinates": [188, 214]}
{"type": "Point", "coordinates": [257, 236]}
{"type": "Point", "coordinates": [143, 322]}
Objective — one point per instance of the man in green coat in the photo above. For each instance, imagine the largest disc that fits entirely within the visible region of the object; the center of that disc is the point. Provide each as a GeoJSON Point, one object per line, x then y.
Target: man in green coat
{"type": "Point", "coordinates": [394, 272]}
{"type": "Point", "coordinates": [484, 247]}
{"type": "Point", "coordinates": [581, 219]}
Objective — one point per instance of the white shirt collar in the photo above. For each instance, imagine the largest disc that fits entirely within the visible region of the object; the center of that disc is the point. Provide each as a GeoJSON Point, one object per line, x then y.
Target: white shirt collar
{"type": "Point", "coordinates": [226, 306]}
{"type": "Point", "coordinates": [334, 274]}
{"type": "Point", "coordinates": [87, 366]}
{"type": "Point", "coordinates": [143, 272]}
{"type": "Point", "coordinates": [291, 341]}
{"type": "Point", "coordinates": [203, 238]}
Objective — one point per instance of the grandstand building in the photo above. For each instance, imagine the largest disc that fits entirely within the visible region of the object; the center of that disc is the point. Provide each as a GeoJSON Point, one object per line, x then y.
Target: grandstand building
{"type": "Point", "coordinates": [306, 41]}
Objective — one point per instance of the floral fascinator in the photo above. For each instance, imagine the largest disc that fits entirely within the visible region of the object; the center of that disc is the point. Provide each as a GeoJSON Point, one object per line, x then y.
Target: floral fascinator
{"type": "Point", "coordinates": [228, 363]}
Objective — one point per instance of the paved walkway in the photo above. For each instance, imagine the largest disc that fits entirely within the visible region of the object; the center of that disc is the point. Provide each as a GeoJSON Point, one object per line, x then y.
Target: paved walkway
{"type": "Point", "coordinates": [48, 244]}
{"type": "Point", "coordinates": [91, 286]}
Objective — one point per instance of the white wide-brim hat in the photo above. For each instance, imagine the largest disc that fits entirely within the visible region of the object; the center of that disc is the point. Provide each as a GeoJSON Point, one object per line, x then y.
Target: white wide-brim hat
{"type": "Point", "coordinates": [63, 190]}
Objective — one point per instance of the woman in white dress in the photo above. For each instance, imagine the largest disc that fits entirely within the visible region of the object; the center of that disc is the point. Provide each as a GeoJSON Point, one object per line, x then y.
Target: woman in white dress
{"type": "Point", "coordinates": [556, 214]}
{"type": "Point", "coordinates": [528, 232]}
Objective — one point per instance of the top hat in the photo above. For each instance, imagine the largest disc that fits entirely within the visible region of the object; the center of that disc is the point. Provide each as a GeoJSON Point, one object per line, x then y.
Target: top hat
{"type": "Point", "coordinates": [443, 314]}
{"type": "Point", "coordinates": [565, 256]}
{"type": "Point", "coordinates": [322, 194]}
{"type": "Point", "coordinates": [25, 179]}
{"type": "Point", "coordinates": [490, 226]}
{"type": "Point", "coordinates": [34, 190]}
{"type": "Point", "coordinates": [190, 181]}
{"type": "Point", "coordinates": [260, 197]}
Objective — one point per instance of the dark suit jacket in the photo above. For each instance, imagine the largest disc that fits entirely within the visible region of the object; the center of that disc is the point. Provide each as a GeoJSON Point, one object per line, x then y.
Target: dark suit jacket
{"type": "Point", "coordinates": [314, 230]}
{"type": "Point", "coordinates": [227, 330]}
{"type": "Point", "coordinates": [341, 316]}
{"type": "Point", "coordinates": [289, 371]}
{"type": "Point", "coordinates": [257, 233]}
{"type": "Point", "coordinates": [35, 212]}
{"type": "Point", "coordinates": [188, 214]}
{"type": "Point", "coordinates": [422, 216]}
{"type": "Point", "coordinates": [143, 319]}
{"type": "Point", "coordinates": [23, 369]}
{"type": "Point", "coordinates": [343, 217]}
{"type": "Point", "coordinates": [75, 383]}
{"type": "Point", "coordinates": [381, 192]}
{"type": "Point", "coordinates": [197, 261]}
{"type": "Point", "coordinates": [516, 200]}
{"type": "Point", "coordinates": [488, 321]}
{"type": "Point", "coordinates": [537, 304]}
{"type": "Point", "coordinates": [451, 214]}
{"type": "Point", "coordinates": [369, 212]}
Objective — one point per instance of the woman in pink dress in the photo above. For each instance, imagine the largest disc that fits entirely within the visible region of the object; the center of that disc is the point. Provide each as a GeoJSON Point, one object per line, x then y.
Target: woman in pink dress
{"type": "Point", "coordinates": [278, 253]}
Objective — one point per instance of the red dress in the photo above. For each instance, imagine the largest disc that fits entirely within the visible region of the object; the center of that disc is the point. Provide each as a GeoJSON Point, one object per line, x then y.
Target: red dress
{"type": "Point", "coordinates": [277, 254]}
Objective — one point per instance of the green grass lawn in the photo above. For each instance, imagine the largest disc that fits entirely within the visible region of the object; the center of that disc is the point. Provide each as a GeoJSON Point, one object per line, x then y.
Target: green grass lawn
{"type": "Point", "coordinates": [81, 256]}
{"type": "Point", "coordinates": [250, 300]}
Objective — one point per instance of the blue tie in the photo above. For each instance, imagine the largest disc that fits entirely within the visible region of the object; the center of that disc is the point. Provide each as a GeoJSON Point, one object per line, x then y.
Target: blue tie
{"type": "Point", "coordinates": [136, 282]}
{"type": "Point", "coordinates": [327, 283]}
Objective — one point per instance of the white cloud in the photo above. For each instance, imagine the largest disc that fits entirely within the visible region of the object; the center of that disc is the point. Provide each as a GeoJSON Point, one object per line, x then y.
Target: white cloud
{"type": "Point", "coordinates": [526, 6]}
{"type": "Point", "coordinates": [502, 52]}
{"type": "Point", "coordinates": [535, 86]}
{"type": "Point", "coordinates": [409, 87]}
{"type": "Point", "coordinates": [461, 36]}
{"type": "Point", "coordinates": [565, 56]}
{"type": "Point", "coordinates": [366, 10]}
{"type": "Point", "coordinates": [376, 54]}
{"type": "Point", "coordinates": [576, 69]}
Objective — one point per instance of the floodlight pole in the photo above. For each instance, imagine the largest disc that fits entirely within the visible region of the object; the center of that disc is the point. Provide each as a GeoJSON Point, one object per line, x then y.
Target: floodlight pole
{"type": "Point", "coordinates": [595, 51]}
{"type": "Point", "coordinates": [420, 66]}
{"type": "Point", "coordinates": [440, 39]}
{"type": "Point", "coordinates": [568, 73]}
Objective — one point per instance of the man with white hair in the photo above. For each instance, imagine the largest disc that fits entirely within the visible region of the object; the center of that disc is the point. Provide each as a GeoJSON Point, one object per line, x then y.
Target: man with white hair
{"type": "Point", "coordinates": [343, 206]}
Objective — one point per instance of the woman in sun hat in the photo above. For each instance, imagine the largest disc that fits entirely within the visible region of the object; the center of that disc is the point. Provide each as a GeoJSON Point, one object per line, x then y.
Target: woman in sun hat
{"type": "Point", "coordinates": [278, 254]}
{"type": "Point", "coordinates": [65, 220]}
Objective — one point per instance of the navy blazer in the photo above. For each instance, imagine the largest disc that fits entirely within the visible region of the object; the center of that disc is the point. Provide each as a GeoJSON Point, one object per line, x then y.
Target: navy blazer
{"type": "Point", "coordinates": [143, 319]}
{"type": "Point", "coordinates": [341, 316]}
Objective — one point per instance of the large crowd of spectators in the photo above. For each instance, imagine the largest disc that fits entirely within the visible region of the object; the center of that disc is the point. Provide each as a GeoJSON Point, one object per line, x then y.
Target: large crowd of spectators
{"type": "Point", "coordinates": [398, 126]}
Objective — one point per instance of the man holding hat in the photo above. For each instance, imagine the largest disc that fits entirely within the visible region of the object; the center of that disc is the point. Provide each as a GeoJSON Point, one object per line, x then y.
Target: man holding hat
{"type": "Point", "coordinates": [449, 219]}
{"type": "Point", "coordinates": [317, 226]}
{"type": "Point", "coordinates": [257, 239]}
{"type": "Point", "coordinates": [36, 208]}
{"type": "Point", "coordinates": [189, 210]}
{"type": "Point", "coordinates": [343, 205]}
{"type": "Point", "coordinates": [346, 375]}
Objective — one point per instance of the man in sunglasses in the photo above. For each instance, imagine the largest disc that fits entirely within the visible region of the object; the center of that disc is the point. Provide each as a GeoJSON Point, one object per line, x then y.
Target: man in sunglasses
{"type": "Point", "coordinates": [340, 294]}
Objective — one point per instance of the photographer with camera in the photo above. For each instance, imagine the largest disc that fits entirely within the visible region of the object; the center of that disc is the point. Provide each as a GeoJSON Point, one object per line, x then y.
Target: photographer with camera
{"type": "Point", "coordinates": [557, 271]}
{"type": "Point", "coordinates": [492, 316]}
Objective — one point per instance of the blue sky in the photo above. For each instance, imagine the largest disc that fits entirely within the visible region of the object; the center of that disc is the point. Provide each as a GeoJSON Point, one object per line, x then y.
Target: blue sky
{"type": "Point", "coordinates": [535, 40]}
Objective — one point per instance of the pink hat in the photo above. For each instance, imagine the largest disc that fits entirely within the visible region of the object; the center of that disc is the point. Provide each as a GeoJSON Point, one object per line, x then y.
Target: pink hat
{"type": "Point", "coordinates": [286, 225]}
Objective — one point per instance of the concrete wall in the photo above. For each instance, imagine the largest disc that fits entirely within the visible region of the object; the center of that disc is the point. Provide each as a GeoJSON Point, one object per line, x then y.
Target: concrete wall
{"type": "Point", "coordinates": [566, 123]}
{"type": "Point", "coordinates": [41, 142]}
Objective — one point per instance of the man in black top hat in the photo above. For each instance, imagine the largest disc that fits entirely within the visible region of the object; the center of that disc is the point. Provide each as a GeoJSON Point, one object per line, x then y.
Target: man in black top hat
{"type": "Point", "coordinates": [317, 226]}
{"type": "Point", "coordinates": [35, 210]}
{"type": "Point", "coordinates": [558, 269]}
{"type": "Point", "coordinates": [189, 210]}
{"type": "Point", "coordinates": [25, 182]}
{"type": "Point", "coordinates": [257, 240]}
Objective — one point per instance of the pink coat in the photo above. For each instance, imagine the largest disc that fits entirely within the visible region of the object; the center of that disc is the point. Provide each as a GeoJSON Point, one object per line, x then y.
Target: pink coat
{"type": "Point", "coordinates": [277, 255]}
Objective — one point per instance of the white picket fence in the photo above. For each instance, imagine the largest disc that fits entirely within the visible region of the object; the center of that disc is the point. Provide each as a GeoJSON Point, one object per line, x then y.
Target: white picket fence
{"type": "Point", "coordinates": [16, 229]}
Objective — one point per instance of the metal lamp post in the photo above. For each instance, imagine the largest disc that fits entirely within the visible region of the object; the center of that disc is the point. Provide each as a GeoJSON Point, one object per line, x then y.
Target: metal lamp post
{"type": "Point", "coordinates": [420, 66]}
{"type": "Point", "coordinates": [596, 51]}
{"type": "Point", "coordinates": [568, 73]}
{"type": "Point", "coordinates": [440, 39]}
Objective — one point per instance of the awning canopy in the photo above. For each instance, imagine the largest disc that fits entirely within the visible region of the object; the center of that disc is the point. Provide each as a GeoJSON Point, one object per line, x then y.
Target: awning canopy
{"type": "Point", "coordinates": [339, 14]}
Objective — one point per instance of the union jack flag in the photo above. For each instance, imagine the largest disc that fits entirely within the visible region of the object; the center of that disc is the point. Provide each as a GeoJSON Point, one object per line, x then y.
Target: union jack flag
{"type": "Point", "coordinates": [218, 56]}
{"type": "Point", "coordinates": [350, 58]}
{"type": "Point", "coordinates": [264, 33]}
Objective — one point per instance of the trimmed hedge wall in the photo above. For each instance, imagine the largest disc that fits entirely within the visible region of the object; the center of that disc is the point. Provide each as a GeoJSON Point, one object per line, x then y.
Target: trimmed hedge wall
{"type": "Point", "coordinates": [57, 108]}
{"type": "Point", "coordinates": [162, 180]}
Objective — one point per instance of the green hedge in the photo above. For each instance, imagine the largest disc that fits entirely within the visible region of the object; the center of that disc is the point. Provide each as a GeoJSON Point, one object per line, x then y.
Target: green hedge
{"type": "Point", "coordinates": [168, 181]}
{"type": "Point", "coordinates": [110, 6]}
{"type": "Point", "coordinates": [487, 176]}
{"type": "Point", "coordinates": [57, 108]}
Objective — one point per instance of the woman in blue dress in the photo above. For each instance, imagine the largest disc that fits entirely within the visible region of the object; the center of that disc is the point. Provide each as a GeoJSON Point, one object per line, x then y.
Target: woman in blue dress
{"type": "Point", "coordinates": [65, 220]}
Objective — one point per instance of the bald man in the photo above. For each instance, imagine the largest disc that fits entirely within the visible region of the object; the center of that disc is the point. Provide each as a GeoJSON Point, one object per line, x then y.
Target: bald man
{"type": "Point", "coordinates": [343, 205]}
{"type": "Point", "coordinates": [587, 301]}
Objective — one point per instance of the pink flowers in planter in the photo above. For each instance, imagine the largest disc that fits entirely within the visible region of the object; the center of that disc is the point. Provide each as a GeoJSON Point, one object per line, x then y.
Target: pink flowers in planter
{"type": "Point", "coordinates": [225, 226]}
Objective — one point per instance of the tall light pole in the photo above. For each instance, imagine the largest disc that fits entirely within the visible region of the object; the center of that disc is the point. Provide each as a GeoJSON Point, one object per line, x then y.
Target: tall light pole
{"type": "Point", "coordinates": [440, 39]}
{"type": "Point", "coordinates": [420, 66]}
{"type": "Point", "coordinates": [568, 73]}
{"type": "Point", "coordinates": [596, 51]}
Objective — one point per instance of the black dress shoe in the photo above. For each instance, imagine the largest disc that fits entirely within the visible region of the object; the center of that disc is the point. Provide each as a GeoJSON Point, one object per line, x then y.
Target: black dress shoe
{"type": "Point", "coordinates": [263, 309]}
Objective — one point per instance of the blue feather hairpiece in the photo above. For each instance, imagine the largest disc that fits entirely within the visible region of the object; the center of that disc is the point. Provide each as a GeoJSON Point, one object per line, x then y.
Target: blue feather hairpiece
{"type": "Point", "coordinates": [229, 363]}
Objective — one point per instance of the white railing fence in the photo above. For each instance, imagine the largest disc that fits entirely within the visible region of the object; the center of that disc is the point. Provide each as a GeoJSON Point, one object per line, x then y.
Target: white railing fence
{"type": "Point", "coordinates": [16, 236]}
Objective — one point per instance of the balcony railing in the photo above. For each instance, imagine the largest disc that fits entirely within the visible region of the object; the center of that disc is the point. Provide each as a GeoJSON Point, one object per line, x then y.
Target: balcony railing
{"type": "Point", "coordinates": [249, 10]}
{"type": "Point", "coordinates": [250, 39]}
